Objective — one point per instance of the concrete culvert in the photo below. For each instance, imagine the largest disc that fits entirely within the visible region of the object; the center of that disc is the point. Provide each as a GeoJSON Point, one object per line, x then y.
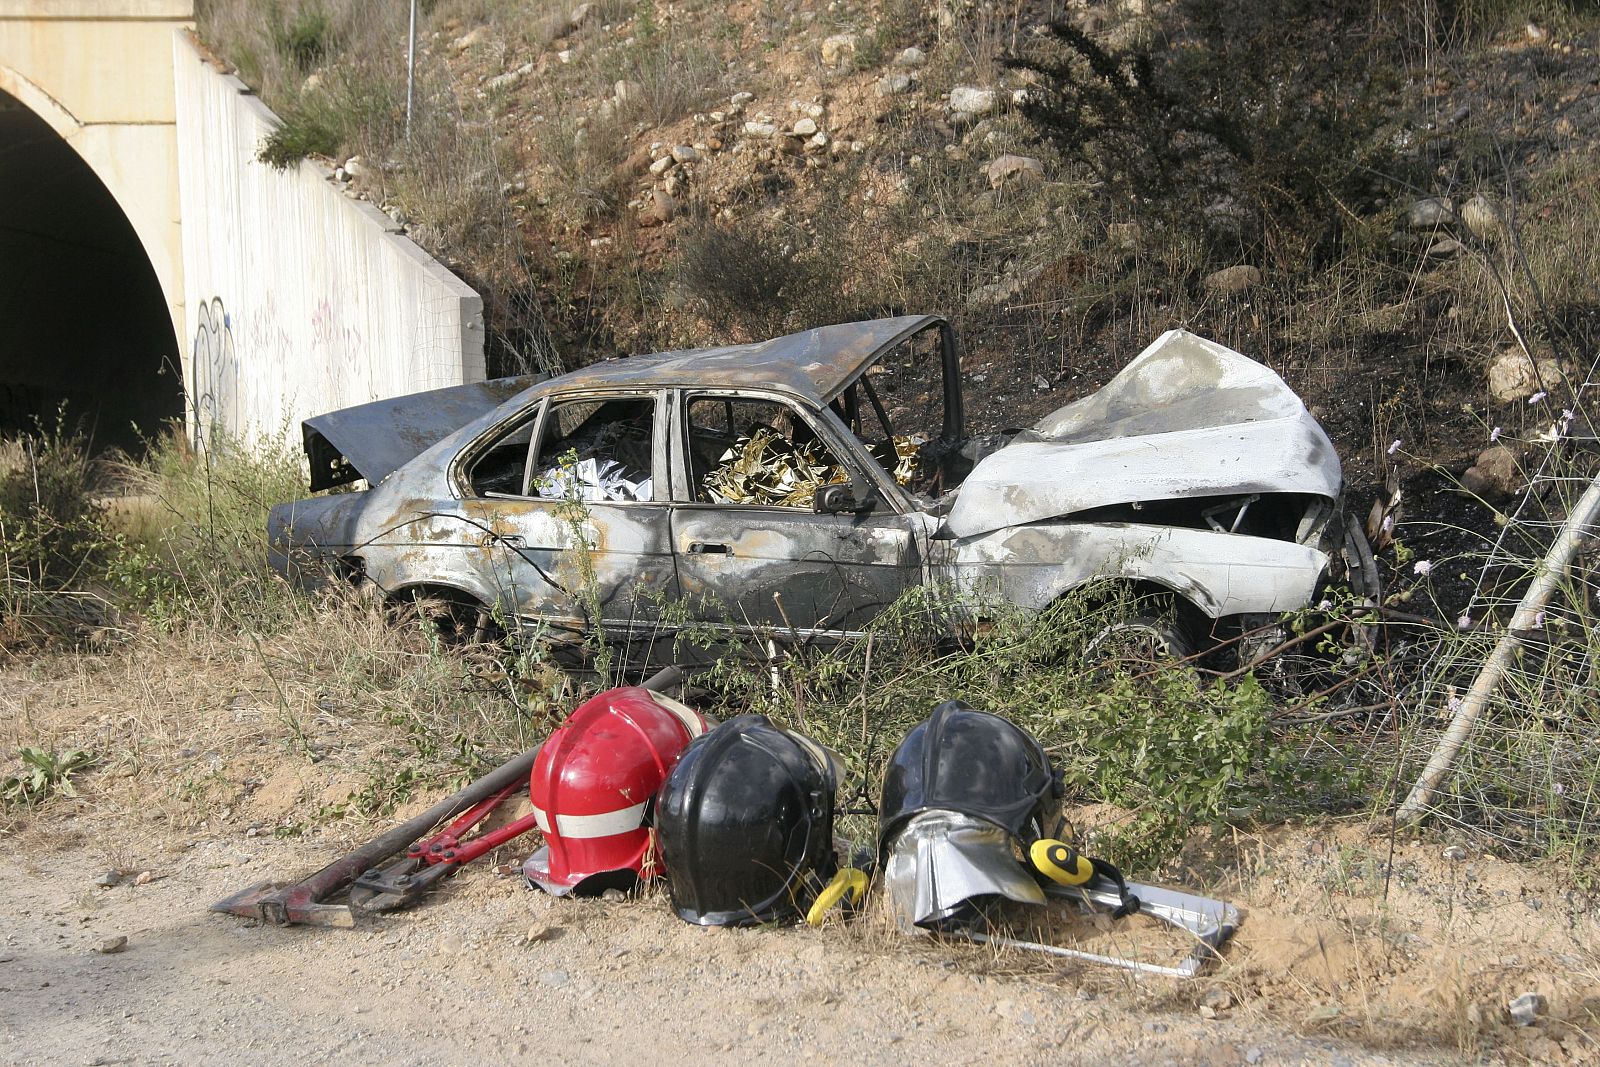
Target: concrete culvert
{"type": "Point", "coordinates": [83, 322]}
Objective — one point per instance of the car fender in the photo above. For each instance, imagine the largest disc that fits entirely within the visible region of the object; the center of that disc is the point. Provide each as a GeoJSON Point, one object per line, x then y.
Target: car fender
{"type": "Point", "coordinates": [1221, 574]}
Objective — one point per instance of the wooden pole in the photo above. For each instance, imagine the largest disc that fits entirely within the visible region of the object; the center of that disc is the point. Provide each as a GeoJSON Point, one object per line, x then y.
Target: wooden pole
{"type": "Point", "coordinates": [1483, 686]}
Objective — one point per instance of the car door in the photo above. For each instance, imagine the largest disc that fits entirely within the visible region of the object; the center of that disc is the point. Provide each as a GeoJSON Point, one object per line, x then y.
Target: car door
{"type": "Point", "coordinates": [578, 531]}
{"type": "Point", "coordinates": [752, 552]}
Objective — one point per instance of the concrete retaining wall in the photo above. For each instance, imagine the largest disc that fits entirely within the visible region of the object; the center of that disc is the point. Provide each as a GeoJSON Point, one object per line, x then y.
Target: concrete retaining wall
{"type": "Point", "coordinates": [298, 299]}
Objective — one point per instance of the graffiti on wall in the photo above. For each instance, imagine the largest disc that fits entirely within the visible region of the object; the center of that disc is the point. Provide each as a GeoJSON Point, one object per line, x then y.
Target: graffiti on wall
{"type": "Point", "coordinates": [214, 388]}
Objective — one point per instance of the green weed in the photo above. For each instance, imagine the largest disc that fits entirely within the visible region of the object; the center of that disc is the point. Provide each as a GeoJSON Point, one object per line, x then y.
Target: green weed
{"type": "Point", "coordinates": [44, 773]}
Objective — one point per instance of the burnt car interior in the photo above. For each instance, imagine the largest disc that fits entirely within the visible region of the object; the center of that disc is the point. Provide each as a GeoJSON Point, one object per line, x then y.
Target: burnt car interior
{"type": "Point", "coordinates": [591, 450]}
{"type": "Point", "coordinates": [749, 451]}
{"type": "Point", "coordinates": [596, 450]}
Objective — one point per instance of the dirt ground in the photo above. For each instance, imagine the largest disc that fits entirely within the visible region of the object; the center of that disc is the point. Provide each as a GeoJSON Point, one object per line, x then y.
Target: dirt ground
{"type": "Point", "coordinates": [1323, 972]}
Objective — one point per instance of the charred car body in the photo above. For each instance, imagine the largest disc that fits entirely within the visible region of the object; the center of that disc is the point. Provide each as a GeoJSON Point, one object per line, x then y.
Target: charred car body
{"type": "Point", "coordinates": [795, 488]}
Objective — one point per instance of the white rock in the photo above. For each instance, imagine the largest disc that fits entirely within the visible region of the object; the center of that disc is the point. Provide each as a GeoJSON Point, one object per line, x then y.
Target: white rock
{"type": "Point", "coordinates": [820, 140]}
{"type": "Point", "coordinates": [503, 81]}
{"type": "Point", "coordinates": [355, 166]}
{"type": "Point", "coordinates": [468, 40]}
{"type": "Point", "coordinates": [741, 99]}
{"type": "Point", "coordinates": [1230, 280]}
{"type": "Point", "coordinates": [815, 111]}
{"type": "Point", "coordinates": [340, 174]}
{"type": "Point", "coordinates": [969, 100]}
{"type": "Point", "coordinates": [565, 55]}
{"type": "Point", "coordinates": [1482, 217]}
{"type": "Point", "coordinates": [895, 83]}
{"type": "Point", "coordinates": [805, 127]}
{"type": "Point", "coordinates": [911, 57]}
{"type": "Point", "coordinates": [1513, 376]}
{"type": "Point", "coordinates": [662, 165]}
{"type": "Point", "coordinates": [580, 15]}
{"type": "Point", "coordinates": [760, 129]}
{"type": "Point", "coordinates": [1430, 212]}
{"type": "Point", "coordinates": [838, 48]}
{"type": "Point", "coordinates": [1008, 167]}
{"type": "Point", "coordinates": [683, 153]}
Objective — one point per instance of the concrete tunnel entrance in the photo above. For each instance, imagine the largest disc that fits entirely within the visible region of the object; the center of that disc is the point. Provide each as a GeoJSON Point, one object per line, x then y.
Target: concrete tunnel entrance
{"type": "Point", "coordinates": [83, 322]}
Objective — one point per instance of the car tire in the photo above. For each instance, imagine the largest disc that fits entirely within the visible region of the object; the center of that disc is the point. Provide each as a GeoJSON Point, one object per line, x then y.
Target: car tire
{"type": "Point", "coordinates": [455, 619]}
{"type": "Point", "coordinates": [1140, 640]}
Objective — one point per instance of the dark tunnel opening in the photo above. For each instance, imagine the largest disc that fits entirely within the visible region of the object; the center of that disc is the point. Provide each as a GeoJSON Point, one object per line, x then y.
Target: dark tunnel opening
{"type": "Point", "coordinates": [84, 326]}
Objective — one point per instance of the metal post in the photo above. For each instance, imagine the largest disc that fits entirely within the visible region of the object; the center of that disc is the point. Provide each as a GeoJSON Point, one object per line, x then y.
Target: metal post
{"type": "Point", "coordinates": [411, 69]}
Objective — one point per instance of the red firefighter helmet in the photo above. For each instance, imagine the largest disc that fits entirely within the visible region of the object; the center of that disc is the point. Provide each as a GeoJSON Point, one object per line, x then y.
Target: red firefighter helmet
{"type": "Point", "coordinates": [591, 785]}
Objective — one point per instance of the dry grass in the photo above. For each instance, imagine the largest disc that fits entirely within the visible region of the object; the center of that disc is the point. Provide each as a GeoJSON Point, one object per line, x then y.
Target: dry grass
{"type": "Point", "coordinates": [191, 722]}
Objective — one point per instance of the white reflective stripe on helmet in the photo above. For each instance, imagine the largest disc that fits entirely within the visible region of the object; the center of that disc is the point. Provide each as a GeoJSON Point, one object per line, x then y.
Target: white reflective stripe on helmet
{"type": "Point", "coordinates": [583, 827]}
{"type": "Point", "coordinates": [691, 719]}
{"type": "Point", "coordinates": [541, 819]}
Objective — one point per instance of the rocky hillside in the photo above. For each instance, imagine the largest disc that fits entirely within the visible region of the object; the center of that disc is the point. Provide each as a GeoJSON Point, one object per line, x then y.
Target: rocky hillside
{"type": "Point", "coordinates": [1394, 208]}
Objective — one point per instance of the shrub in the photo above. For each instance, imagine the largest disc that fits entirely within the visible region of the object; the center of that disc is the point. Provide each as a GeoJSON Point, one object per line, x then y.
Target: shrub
{"type": "Point", "coordinates": [1255, 124]}
{"type": "Point", "coordinates": [1172, 750]}
{"type": "Point", "coordinates": [51, 530]}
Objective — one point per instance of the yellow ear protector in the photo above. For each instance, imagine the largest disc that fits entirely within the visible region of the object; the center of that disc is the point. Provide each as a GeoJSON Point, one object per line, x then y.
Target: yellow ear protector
{"type": "Point", "coordinates": [849, 882]}
{"type": "Point", "coordinates": [1059, 862]}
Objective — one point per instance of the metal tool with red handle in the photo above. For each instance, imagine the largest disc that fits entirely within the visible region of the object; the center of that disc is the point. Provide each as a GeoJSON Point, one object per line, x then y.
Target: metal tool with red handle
{"type": "Point", "coordinates": [424, 862]}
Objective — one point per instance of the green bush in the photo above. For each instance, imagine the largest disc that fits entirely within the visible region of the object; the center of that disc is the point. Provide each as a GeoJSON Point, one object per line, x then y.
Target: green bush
{"type": "Point", "coordinates": [51, 528]}
{"type": "Point", "coordinates": [1171, 749]}
{"type": "Point", "coordinates": [203, 551]}
{"type": "Point", "coordinates": [1256, 125]}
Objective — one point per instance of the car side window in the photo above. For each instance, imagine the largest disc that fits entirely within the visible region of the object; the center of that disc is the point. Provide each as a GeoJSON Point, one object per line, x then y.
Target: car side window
{"type": "Point", "coordinates": [744, 451]}
{"type": "Point", "coordinates": [501, 468]}
{"type": "Point", "coordinates": [596, 449]}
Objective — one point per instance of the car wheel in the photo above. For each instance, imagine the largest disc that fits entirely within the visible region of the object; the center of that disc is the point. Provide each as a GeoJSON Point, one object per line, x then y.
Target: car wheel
{"type": "Point", "coordinates": [1140, 640]}
{"type": "Point", "coordinates": [455, 619]}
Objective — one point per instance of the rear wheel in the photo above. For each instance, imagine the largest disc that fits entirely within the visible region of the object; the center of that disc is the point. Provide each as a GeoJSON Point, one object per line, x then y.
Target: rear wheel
{"type": "Point", "coordinates": [456, 619]}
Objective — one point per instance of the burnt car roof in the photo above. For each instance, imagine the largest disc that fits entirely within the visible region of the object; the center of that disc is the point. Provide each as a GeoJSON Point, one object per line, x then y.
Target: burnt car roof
{"type": "Point", "coordinates": [815, 364]}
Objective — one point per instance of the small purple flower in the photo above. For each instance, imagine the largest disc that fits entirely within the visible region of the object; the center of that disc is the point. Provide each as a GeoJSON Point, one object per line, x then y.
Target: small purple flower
{"type": "Point", "coordinates": [1324, 605]}
{"type": "Point", "coordinates": [1567, 415]}
{"type": "Point", "coordinates": [1453, 705]}
{"type": "Point", "coordinates": [1559, 789]}
{"type": "Point", "coordinates": [1538, 621]}
{"type": "Point", "coordinates": [1394, 446]}
{"type": "Point", "coordinates": [1464, 622]}
{"type": "Point", "coordinates": [1536, 397]}
{"type": "Point", "coordinates": [1494, 435]}
{"type": "Point", "coordinates": [1422, 567]}
{"type": "Point", "coordinates": [1388, 524]}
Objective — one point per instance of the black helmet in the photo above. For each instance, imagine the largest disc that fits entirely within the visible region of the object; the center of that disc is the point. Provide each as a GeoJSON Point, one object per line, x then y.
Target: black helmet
{"type": "Point", "coordinates": [746, 824]}
{"type": "Point", "coordinates": [968, 761]}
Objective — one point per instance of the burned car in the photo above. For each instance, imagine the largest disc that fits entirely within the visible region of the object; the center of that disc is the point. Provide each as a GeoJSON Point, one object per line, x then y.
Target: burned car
{"type": "Point", "coordinates": [794, 488]}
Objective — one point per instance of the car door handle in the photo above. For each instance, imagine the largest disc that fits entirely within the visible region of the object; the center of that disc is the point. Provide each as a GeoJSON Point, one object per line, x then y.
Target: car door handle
{"type": "Point", "coordinates": [709, 548]}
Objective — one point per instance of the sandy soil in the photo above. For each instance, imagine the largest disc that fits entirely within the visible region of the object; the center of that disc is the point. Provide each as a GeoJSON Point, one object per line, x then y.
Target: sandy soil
{"type": "Point", "coordinates": [1323, 972]}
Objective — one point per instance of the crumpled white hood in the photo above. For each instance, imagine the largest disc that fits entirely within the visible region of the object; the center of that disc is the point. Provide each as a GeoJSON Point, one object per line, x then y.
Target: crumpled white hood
{"type": "Point", "coordinates": [1187, 417]}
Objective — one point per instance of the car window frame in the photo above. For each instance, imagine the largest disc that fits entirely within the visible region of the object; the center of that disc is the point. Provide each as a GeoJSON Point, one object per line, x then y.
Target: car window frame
{"type": "Point", "coordinates": [827, 427]}
{"type": "Point", "coordinates": [659, 452]}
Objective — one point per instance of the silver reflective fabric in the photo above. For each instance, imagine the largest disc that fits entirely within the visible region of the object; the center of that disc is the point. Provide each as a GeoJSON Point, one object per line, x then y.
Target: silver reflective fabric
{"type": "Point", "coordinates": [593, 479]}
{"type": "Point", "coordinates": [536, 869]}
{"type": "Point", "coordinates": [942, 859]}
